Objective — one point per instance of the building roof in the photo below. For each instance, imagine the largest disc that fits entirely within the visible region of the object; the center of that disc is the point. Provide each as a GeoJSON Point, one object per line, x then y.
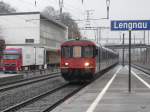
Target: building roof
{"type": "Point", "coordinates": [48, 18]}
{"type": "Point", "coordinates": [51, 19]}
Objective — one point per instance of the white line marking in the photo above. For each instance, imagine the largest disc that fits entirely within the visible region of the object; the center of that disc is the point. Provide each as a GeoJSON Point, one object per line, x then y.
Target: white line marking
{"type": "Point", "coordinates": [146, 74]}
{"type": "Point", "coordinates": [101, 94]}
{"type": "Point", "coordinates": [144, 82]}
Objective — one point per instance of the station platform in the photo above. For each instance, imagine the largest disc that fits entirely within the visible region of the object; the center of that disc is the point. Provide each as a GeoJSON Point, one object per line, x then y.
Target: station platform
{"type": "Point", "coordinates": [8, 78]}
{"type": "Point", "coordinates": [110, 93]}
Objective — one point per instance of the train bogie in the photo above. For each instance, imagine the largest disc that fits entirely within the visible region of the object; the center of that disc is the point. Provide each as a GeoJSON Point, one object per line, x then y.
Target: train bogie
{"type": "Point", "coordinates": [77, 74]}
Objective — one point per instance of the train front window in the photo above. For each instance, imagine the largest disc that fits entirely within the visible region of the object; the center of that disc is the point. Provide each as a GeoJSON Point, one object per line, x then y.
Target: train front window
{"type": "Point", "coordinates": [66, 52]}
{"type": "Point", "coordinates": [77, 51]}
{"type": "Point", "coordinates": [88, 51]}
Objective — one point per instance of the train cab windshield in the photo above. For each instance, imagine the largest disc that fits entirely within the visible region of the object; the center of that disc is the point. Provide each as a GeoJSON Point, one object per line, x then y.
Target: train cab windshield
{"type": "Point", "coordinates": [77, 51]}
{"type": "Point", "coordinates": [88, 51]}
{"type": "Point", "coordinates": [67, 52]}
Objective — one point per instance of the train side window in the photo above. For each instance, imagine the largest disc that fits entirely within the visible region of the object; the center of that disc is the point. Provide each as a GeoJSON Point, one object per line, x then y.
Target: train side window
{"type": "Point", "coordinates": [103, 55]}
{"type": "Point", "coordinates": [106, 54]}
{"type": "Point", "coordinates": [96, 52]}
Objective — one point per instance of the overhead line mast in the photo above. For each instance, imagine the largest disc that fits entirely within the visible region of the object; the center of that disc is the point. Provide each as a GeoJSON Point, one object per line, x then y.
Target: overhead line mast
{"type": "Point", "coordinates": [61, 4]}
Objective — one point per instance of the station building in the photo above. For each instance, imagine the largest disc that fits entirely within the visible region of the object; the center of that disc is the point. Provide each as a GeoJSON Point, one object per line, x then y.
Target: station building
{"type": "Point", "coordinates": [33, 29]}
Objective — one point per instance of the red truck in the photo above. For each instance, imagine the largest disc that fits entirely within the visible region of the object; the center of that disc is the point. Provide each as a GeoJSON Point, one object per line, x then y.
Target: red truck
{"type": "Point", "coordinates": [1, 64]}
{"type": "Point", "coordinates": [17, 58]}
{"type": "Point", "coordinates": [12, 59]}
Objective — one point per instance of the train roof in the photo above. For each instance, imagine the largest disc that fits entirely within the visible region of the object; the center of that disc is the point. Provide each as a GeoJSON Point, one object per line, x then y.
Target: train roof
{"type": "Point", "coordinates": [109, 50]}
{"type": "Point", "coordinates": [79, 42]}
{"type": "Point", "coordinates": [85, 43]}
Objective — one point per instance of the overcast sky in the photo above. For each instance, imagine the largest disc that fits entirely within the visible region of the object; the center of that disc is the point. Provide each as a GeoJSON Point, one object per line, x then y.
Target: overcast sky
{"type": "Point", "coordinates": [119, 9]}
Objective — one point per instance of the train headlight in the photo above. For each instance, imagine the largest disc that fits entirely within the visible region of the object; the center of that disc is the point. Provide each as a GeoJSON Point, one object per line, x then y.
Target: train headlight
{"type": "Point", "coordinates": [86, 64]}
{"type": "Point", "coordinates": [66, 64]}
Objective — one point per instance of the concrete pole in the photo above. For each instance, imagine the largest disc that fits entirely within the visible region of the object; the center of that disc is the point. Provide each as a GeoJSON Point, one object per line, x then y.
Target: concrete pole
{"type": "Point", "coordinates": [148, 37]}
{"type": "Point", "coordinates": [129, 62]}
{"type": "Point", "coordinates": [123, 50]}
{"type": "Point", "coordinates": [144, 37]}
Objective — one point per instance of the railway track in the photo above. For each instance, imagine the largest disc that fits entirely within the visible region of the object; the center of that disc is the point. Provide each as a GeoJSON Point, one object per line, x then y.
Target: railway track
{"type": "Point", "coordinates": [26, 79]}
{"type": "Point", "coordinates": [45, 101]}
{"type": "Point", "coordinates": [15, 96]}
{"type": "Point", "coordinates": [145, 70]}
{"type": "Point", "coordinates": [24, 82]}
{"type": "Point", "coordinates": [31, 74]}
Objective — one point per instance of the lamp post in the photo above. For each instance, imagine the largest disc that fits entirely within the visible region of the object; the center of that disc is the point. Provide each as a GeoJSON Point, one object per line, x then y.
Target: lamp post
{"type": "Point", "coordinates": [107, 4]}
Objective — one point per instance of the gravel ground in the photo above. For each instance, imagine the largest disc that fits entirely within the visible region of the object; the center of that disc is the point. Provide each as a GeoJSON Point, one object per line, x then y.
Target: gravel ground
{"type": "Point", "coordinates": [48, 101]}
{"type": "Point", "coordinates": [26, 75]}
{"type": "Point", "coordinates": [17, 95]}
{"type": "Point", "coordinates": [38, 73]}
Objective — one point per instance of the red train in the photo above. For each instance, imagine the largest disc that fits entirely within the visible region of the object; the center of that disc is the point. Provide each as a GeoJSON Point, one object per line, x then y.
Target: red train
{"type": "Point", "coordinates": [82, 59]}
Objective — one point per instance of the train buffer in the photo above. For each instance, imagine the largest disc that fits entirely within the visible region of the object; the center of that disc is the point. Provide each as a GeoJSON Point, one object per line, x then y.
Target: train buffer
{"type": "Point", "coordinates": [110, 93]}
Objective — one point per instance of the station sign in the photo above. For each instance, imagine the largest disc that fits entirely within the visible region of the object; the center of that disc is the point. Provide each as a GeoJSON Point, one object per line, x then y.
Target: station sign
{"type": "Point", "coordinates": [130, 25]}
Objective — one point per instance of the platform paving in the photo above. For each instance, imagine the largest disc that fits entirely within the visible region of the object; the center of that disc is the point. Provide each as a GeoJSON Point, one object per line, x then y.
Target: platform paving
{"type": "Point", "coordinates": [115, 99]}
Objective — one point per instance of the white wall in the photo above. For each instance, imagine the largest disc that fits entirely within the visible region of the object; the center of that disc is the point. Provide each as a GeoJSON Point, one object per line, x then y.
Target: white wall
{"type": "Point", "coordinates": [51, 34]}
{"type": "Point", "coordinates": [16, 28]}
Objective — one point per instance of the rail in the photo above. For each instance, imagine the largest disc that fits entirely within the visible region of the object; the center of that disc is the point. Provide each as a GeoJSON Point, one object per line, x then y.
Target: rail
{"type": "Point", "coordinates": [145, 70]}
{"type": "Point", "coordinates": [31, 100]}
{"type": "Point", "coordinates": [26, 82]}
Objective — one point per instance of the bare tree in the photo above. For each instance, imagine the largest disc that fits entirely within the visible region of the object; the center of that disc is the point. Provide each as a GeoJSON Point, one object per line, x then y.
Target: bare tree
{"type": "Point", "coordinates": [2, 46]}
{"type": "Point", "coordinates": [73, 30]}
{"type": "Point", "coordinates": [49, 11]}
{"type": "Point", "coordinates": [65, 18]}
{"type": "Point", "coordinates": [6, 8]}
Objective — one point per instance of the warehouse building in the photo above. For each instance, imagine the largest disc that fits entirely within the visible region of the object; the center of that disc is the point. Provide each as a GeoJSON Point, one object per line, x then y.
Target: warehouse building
{"type": "Point", "coordinates": [33, 29]}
